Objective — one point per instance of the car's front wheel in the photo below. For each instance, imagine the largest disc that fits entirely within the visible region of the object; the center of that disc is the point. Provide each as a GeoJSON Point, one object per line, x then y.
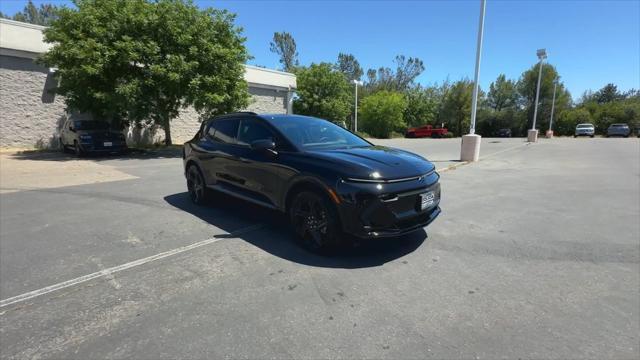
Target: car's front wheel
{"type": "Point", "coordinates": [315, 222]}
{"type": "Point", "coordinates": [196, 185]}
{"type": "Point", "coordinates": [77, 149]}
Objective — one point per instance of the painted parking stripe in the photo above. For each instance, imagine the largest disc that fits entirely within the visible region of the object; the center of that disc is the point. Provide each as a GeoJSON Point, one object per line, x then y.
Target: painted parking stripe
{"type": "Point", "coordinates": [129, 265]}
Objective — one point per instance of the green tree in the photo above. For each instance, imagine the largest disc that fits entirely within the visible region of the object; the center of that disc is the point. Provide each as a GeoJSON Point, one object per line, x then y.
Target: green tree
{"type": "Point", "coordinates": [382, 112]}
{"type": "Point", "coordinates": [322, 92]}
{"type": "Point", "coordinates": [422, 106]}
{"type": "Point", "coordinates": [456, 109]}
{"type": "Point", "coordinates": [143, 61]}
{"type": "Point", "coordinates": [284, 45]}
{"type": "Point", "coordinates": [42, 15]}
{"type": "Point", "coordinates": [527, 88]}
{"type": "Point", "coordinates": [565, 123]}
{"type": "Point", "coordinates": [502, 94]}
{"type": "Point", "coordinates": [608, 93]}
{"type": "Point", "coordinates": [349, 66]}
{"type": "Point", "coordinates": [400, 79]}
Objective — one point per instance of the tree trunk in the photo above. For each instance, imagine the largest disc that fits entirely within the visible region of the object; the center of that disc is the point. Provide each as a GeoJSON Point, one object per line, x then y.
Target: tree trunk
{"type": "Point", "coordinates": [167, 131]}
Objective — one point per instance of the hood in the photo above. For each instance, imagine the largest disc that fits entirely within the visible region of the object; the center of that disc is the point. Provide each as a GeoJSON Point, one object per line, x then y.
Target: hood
{"type": "Point", "coordinates": [390, 163]}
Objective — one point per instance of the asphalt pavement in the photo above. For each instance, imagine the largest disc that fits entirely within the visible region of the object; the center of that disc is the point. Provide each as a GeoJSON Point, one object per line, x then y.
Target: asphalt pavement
{"type": "Point", "coordinates": [536, 255]}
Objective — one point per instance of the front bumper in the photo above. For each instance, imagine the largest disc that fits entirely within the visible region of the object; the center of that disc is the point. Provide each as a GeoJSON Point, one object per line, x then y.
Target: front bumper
{"type": "Point", "coordinates": [387, 210]}
{"type": "Point", "coordinates": [584, 133]}
{"type": "Point", "coordinates": [98, 146]}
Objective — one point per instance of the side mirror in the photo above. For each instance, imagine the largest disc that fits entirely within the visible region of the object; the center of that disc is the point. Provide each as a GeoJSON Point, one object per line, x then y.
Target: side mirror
{"type": "Point", "coordinates": [264, 145]}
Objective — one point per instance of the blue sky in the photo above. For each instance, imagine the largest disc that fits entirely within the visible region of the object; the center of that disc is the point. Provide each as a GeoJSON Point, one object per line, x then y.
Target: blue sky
{"type": "Point", "coordinates": [590, 42]}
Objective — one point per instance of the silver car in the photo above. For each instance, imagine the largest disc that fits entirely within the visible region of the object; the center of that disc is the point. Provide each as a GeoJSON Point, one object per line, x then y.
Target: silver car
{"type": "Point", "coordinates": [584, 130]}
{"type": "Point", "coordinates": [618, 130]}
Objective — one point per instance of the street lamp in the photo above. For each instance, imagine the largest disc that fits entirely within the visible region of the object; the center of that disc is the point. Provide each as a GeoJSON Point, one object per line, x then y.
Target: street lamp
{"type": "Point", "coordinates": [355, 118]}
{"type": "Point", "coordinates": [470, 149]}
{"type": "Point", "coordinates": [533, 133]}
{"type": "Point", "coordinates": [553, 105]}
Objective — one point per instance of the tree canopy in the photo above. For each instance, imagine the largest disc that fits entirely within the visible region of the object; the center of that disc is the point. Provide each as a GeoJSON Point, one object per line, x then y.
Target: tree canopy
{"type": "Point", "coordinates": [382, 113]}
{"type": "Point", "coordinates": [349, 66]}
{"type": "Point", "coordinates": [134, 60]}
{"type": "Point", "coordinates": [323, 92]}
{"type": "Point", "coordinates": [284, 45]}
{"type": "Point", "coordinates": [42, 15]}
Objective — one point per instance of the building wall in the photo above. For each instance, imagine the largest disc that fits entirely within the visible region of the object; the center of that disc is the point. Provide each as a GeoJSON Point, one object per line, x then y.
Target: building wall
{"type": "Point", "coordinates": [31, 117]}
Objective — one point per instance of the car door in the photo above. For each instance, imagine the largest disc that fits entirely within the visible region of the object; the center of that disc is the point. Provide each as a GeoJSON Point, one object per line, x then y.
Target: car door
{"type": "Point", "coordinates": [216, 149]}
{"type": "Point", "coordinates": [259, 172]}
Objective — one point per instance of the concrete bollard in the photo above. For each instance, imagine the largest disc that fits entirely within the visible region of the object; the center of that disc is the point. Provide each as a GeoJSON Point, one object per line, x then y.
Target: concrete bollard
{"type": "Point", "coordinates": [470, 149]}
{"type": "Point", "coordinates": [549, 134]}
{"type": "Point", "coordinates": [532, 135]}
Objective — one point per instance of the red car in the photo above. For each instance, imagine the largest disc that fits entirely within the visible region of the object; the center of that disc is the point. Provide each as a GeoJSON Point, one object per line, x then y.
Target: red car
{"type": "Point", "coordinates": [426, 131]}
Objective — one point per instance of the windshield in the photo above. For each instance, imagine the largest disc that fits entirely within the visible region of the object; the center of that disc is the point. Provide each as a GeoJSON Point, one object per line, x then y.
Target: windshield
{"type": "Point", "coordinates": [585, 126]}
{"type": "Point", "coordinates": [309, 133]}
{"type": "Point", "coordinates": [91, 125]}
{"type": "Point", "coordinates": [619, 125]}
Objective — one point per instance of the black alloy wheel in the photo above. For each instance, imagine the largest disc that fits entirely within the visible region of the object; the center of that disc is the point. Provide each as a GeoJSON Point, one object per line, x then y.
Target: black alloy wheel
{"type": "Point", "coordinates": [315, 222]}
{"type": "Point", "coordinates": [196, 185]}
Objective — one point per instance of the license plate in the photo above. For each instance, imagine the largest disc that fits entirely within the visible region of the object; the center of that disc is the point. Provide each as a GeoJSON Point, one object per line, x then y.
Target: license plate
{"type": "Point", "coordinates": [108, 143]}
{"type": "Point", "coordinates": [426, 200]}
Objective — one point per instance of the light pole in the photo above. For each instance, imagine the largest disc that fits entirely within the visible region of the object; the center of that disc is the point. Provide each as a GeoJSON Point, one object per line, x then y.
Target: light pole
{"type": "Point", "coordinates": [470, 149]}
{"type": "Point", "coordinates": [553, 105]}
{"type": "Point", "coordinates": [355, 116]}
{"type": "Point", "coordinates": [533, 133]}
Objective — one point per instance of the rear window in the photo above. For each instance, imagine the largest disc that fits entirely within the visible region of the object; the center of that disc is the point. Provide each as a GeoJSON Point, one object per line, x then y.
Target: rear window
{"type": "Point", "coordinates": [90, 125]}
{"type": "Point", "coordinates": [224, 131]}
{"type": "Point", "coordinates": [619, 125]}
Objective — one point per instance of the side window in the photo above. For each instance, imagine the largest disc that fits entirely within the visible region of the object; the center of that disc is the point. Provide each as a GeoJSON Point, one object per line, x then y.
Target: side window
{"type": "Point", "coordinates": [223, 131]}
{"type": "Point", "coordinates": [251, 130]}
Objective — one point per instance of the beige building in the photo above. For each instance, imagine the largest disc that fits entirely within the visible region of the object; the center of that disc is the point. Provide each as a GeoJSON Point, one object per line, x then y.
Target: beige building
{"type": "Point", "coordinates": [31, 117]}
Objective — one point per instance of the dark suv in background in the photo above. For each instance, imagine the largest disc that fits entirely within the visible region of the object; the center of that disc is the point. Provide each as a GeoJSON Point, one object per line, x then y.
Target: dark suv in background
{"type": "Point", "coordinates": [327, 179]}
{"type": "Point", "coordinates": [91, 136]}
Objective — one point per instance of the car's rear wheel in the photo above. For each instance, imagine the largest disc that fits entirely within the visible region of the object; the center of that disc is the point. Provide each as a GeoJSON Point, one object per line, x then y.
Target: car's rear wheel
{"type": "Point", "coordinates": [196, 185]}
{"type": "Point", "coordinates": [315, 222]}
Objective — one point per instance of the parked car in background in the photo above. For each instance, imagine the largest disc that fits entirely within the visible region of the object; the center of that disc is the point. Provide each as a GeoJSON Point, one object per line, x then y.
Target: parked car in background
{"type": "Point", "coordinates": [91, 136]}
{"type": "Point", "coordinates": [504, 133]}
{"type": "Point", "coordinates": [618, 130]}
{"type": "Point", "coordinates": [638, 131]}
{"type": "Point", "coordinates": [426, 131]}
{"type": "Point", "coordinates": [585, 130]}
{"type": "Point", "coordinates": [327, 179]}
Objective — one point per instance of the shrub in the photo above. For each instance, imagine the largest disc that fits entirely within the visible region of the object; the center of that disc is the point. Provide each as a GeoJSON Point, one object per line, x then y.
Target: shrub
{"type": "Point", "coordinates": [381, 113]}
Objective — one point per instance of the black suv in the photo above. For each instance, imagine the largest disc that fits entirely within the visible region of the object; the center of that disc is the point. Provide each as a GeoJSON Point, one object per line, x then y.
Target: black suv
{"type": "Point", "coordinates": [91, 136]}
{"type": "Point", "coordinates": [327, 179]}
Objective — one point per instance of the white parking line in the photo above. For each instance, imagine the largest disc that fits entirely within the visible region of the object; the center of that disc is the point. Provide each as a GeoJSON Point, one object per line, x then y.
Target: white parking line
{"type": "Point", "coordinates": [115, 269]}
{"type": "Point", "coordinates": [451, 167]}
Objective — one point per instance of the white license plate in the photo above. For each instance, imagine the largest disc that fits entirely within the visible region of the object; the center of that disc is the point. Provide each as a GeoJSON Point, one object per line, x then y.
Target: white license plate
{"type": "Point", "coordinates": [426, 200]}
{"type": "Point", "coordinates": [108, 143]}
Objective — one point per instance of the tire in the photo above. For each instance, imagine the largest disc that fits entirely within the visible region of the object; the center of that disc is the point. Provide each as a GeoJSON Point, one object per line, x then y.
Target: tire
{"type": "Point", "coordinates": [76, 148]}
{"type": "Point", "coordinates": [315, 222]}
{"type": "Point", "coordinates": [591, 136]}
{"type": "Point", "coordinates": [196, 185]}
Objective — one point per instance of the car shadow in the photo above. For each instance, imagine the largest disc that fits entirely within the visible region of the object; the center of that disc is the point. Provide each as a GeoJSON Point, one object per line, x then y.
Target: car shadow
{"type": "Point", "coordinates": [276, 238]}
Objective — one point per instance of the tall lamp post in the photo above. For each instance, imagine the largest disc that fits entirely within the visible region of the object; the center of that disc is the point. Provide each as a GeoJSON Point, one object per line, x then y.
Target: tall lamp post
{"type": "Point", "coordinates": [553, 105]}
{"type": "Point", "coordinates": [470, 149]}
{"type": "Point", "coordinates": [355, 116]}
{"type": "Point", "coordinates": [532, 135]}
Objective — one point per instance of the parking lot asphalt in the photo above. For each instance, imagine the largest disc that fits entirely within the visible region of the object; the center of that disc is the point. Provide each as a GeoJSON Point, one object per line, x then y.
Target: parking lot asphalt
{"type": "Point", "coordinates": [536, 255]}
